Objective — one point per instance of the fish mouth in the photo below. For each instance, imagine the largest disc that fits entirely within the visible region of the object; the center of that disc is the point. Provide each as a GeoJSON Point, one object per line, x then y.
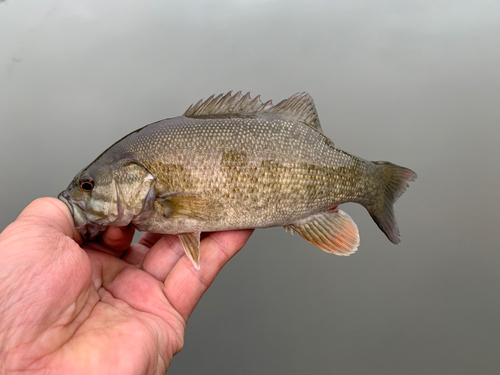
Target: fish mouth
{"type": "Point", "coordinates": [79, 215]}
{"type": "Point", "coordinates": [62, 197]}
{"type": "Point", "coordinates": [87, 230]}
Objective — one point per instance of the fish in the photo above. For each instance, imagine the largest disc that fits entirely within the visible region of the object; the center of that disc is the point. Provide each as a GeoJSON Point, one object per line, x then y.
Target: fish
{"type": "Point", "coordinates": [233, 162]}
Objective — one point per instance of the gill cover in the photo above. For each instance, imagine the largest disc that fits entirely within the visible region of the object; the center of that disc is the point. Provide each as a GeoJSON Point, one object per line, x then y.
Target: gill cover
{"type": "Point", "coordinates": [133, 183]}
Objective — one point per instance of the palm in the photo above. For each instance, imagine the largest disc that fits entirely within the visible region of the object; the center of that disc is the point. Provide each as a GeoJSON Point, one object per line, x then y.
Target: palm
{"type": "Point", "coordinates": [111, 308]}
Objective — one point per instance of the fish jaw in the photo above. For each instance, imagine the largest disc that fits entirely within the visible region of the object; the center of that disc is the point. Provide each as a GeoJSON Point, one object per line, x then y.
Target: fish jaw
{"type": "Point", "coordinates": [87, 230]}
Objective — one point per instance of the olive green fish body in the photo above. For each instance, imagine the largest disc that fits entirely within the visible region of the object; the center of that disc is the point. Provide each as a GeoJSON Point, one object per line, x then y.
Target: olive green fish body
{"type": "Point", "coordinates": [232, 163]}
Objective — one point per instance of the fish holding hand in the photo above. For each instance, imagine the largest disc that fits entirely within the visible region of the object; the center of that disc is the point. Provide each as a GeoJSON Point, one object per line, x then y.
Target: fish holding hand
{"type": "Point", "coordinates": [232, 162]}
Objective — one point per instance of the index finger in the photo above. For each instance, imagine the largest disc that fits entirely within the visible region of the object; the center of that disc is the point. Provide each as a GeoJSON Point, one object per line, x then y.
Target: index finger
{"type": "Point", "coordinates": [136, 253]}
{"type": "Point", "coordinates": [184, 285]}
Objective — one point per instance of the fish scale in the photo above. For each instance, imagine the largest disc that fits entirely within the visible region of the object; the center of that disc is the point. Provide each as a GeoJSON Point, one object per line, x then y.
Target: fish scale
{"type": "Point", "coordinates": [232, 162]}
{"type": "Point", "coordinates": [258, 171]}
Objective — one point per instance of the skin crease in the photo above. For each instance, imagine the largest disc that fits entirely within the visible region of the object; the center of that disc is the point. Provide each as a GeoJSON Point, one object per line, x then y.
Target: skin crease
{"type": "Point", "coordinates": [107, 307]}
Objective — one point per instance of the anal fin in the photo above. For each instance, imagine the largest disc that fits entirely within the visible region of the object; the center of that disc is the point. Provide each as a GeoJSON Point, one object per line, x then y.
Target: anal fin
{"type": "Point", "coordinates": [191, 244]}
{"type": "Point", "coordinates": [333, 231]}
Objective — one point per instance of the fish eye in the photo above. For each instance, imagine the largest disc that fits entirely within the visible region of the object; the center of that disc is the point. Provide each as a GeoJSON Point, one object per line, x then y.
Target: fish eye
{"type": "Point", "coordinates": [87, 185]}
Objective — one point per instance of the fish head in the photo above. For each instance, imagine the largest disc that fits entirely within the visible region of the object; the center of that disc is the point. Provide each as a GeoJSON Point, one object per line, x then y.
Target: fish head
{"type": "Point", "coordinates": [107, 195]}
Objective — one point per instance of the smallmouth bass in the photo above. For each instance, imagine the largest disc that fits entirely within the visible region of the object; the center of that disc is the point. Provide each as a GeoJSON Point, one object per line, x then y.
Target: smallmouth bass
{"type": "Point", "coordinates": [232, 162]}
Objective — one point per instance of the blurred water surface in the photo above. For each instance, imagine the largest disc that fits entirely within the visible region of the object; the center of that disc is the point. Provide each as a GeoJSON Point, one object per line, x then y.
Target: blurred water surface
{"type": "Point", "coordinates": [416, 83]}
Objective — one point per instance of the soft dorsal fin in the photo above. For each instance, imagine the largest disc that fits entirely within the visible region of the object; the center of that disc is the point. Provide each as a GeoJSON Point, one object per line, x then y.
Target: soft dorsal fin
{"type": "Point", "coordinates": [299, 106]}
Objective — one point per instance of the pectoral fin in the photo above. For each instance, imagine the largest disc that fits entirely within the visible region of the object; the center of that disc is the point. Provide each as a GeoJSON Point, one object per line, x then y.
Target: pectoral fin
{"type": "Point", "coordinates": [191, 244]}
{"type": "Point", "coordinates": [188, 205]}
{"type": "Point", "coordinates": [333, 231]}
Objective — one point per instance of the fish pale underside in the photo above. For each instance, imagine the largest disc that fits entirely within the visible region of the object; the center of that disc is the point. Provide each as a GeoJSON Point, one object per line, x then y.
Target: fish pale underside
{"type": "Point", "coordinates": [233, 162]}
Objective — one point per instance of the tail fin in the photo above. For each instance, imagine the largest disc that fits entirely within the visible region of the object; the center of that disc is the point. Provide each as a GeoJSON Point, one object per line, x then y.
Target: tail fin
{"type": "Point", "coordinates": [395, 182]}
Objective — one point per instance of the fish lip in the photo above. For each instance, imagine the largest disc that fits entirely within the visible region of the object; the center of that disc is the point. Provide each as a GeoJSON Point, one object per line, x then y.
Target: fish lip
{"type": "Point", "coordinates": [79, 215]}
{"type": "Point", "coordinates": [62, 196]}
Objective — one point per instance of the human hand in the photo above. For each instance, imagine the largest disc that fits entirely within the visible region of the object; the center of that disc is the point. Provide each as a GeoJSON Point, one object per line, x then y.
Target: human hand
{"type": "Point", "coordinates": [106, 307]}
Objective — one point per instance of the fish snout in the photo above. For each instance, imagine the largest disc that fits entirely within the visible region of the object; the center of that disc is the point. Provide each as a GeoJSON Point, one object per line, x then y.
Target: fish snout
{"type": "Point", "coordinates": [87, 231]}
{"type": "Point", "coordinates": [63, 197]}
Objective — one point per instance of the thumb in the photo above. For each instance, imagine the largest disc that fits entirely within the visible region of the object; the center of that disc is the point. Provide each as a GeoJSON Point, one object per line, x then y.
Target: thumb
{"type": "Point", "coordinates": [50, 214]}
{"type": "Point", "coordinates": [45, 279]}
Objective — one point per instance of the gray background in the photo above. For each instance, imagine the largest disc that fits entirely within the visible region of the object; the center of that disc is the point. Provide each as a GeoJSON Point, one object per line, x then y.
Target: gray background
{"type": "Point", "coordinates": [413, 82]}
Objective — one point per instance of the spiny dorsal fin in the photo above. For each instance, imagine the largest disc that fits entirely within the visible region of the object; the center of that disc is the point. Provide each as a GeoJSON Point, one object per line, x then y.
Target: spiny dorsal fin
{"type": "Point", "coordinates": [299, 106]}
{"type": "Point", "coordinates": [226, 104]}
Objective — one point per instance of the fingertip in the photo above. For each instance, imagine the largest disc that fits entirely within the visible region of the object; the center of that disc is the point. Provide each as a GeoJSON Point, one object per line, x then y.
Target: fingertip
{"type": "Point", "coordinates": [233, 240]}
{"type": "Point", "coordinates": [118, 238]}
{"type": "Point", "coordinates": [45, 205]}
{"type": "Point", "coordinates": [219, 247]}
